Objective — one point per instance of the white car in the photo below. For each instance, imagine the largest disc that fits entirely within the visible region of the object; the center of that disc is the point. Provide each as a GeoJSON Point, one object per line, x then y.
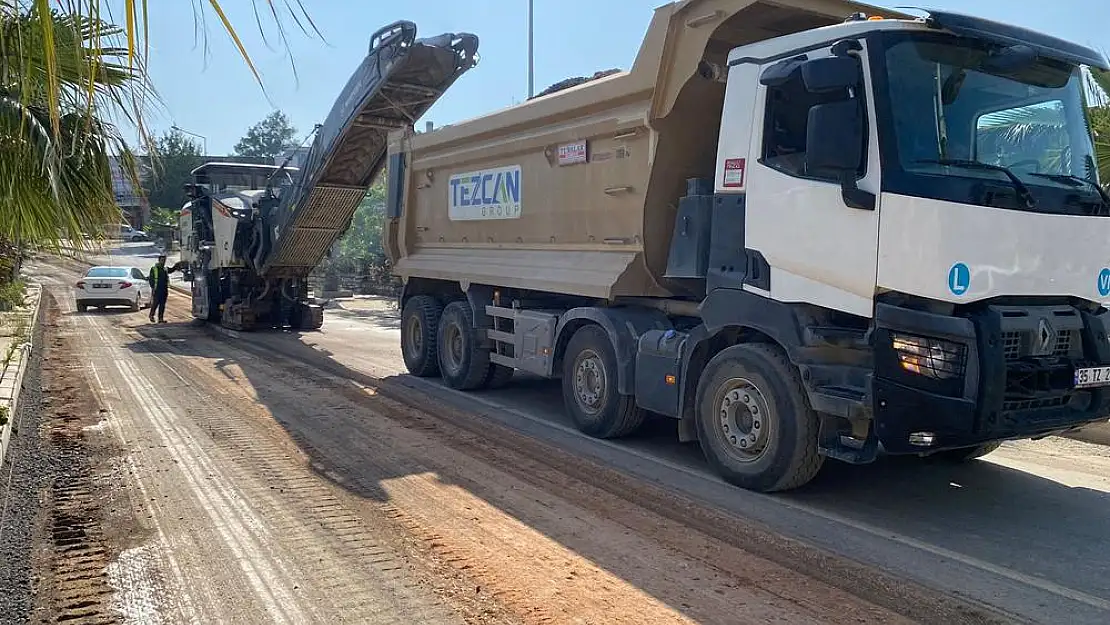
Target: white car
{"type": "Point", "coordinates": [127, 233]}
{"type": "Point", "coordinates": [112, 286]}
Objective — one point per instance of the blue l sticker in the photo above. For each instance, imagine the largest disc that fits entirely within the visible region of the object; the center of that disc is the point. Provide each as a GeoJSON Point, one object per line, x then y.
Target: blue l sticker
{"type": "Point", "coordinates": [959, 279]}
{"type": "Point", "coordinates": [1104, 282]}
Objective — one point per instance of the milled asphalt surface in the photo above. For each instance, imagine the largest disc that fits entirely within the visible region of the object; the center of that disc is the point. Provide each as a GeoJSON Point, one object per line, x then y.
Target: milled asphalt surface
{"type": "Point", "coordinates": [1023, 530]}
{"type": "Point", "coordinates": [273, 492]}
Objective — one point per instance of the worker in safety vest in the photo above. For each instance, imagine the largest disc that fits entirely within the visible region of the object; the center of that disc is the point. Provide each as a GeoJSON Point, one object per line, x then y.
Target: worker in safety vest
{"type": "Point", "coordinates": [159, 279]}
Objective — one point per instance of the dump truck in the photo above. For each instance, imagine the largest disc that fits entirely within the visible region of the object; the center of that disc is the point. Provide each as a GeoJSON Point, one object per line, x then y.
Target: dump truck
{"type": "Point", "coordinates": [804, 229]}
{"type": "Point", "coordinates": [251, 234]}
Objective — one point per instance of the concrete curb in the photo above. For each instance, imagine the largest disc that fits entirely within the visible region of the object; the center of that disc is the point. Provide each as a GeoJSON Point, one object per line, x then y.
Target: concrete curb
{"type": "Point", "coordinates": [11, 379]}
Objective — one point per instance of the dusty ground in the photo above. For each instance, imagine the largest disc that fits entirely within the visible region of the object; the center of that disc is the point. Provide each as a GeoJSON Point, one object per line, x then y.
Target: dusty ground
{"type": "Point", "coordinates": [1021, 529]}
{"type": "Point", "coordinates": [210, 483]}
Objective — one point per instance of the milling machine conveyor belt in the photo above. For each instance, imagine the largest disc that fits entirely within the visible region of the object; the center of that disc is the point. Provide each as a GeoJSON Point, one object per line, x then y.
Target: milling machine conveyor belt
{"type": "Point", "coordinates": [397, 82]}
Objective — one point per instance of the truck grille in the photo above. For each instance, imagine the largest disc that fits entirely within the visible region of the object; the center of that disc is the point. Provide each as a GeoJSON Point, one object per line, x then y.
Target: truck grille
{"type": "Point", "coordinates": [1040, 345]}
{"type": "Point", "coordinates": [1017, 345]}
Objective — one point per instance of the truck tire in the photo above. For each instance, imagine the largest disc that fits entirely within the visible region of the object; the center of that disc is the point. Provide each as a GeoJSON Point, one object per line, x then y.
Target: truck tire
{"type": "Point", "coordinates": [463, 362]}
{"type": "Point", "coordinates": [754, 422]}
{"type": "Point", "coordinates": [209, 290]}
{"type": "Point", "coordinates": [419, 328]}
{"type": "Point", "coordinates": [498, 376]}
{"type": "Point", "coordinates": [590, 387]}
{"type": "Point", "coordinates": [966, 454]}
{"type": "Point", "coordinates": [306, 317]}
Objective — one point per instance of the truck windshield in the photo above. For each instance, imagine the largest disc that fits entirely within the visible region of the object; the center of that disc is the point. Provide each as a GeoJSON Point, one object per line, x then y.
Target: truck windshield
{"type": "Point", "coordinates": [974, 122]}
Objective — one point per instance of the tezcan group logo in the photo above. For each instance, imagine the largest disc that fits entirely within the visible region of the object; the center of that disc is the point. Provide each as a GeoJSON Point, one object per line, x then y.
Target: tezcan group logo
{"type": "Point", "coordinates": [485, 194]}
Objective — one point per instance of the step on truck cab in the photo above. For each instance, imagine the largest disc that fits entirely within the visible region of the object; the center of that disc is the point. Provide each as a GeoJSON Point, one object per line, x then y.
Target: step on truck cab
{"type": "Point", "coordinates": [803, 236]}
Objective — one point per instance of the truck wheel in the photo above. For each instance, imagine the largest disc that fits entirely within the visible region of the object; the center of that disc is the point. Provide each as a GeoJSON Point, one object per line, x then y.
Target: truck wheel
{"type": "Point", "coordinates": [307, 317]}
{"type": "Point", "coordinates": [419, 326]}
{"type": "Point", "coordinates": [498, 376]}
{"type": "Point", "coordinates": [966, 454]}
{"type": "Point", "coordinates": [590, 387]}
{"type": "Point", "coordinates": [754, 421]}
{"type": "Point", "coordinates": [463, 362]}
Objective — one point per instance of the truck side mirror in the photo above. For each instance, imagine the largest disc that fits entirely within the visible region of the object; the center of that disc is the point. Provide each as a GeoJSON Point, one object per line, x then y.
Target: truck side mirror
{"type": "Point", "coordinates": [831, 74]}
{"type": "Point", "coordinates": [834, 145]}
{"type": "Point", "coordinates": [834, 137]}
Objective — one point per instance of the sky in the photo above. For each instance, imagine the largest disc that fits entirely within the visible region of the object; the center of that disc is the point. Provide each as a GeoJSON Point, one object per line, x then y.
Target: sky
{"type": "Point", "coordinates": [206, 88]}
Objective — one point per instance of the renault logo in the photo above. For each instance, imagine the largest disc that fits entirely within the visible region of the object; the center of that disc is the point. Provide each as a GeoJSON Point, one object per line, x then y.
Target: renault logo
{"type": "Point", "coordinates": [1045, 341]}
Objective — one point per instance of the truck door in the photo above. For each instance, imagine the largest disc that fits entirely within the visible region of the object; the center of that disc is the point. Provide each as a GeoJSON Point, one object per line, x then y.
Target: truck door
{"type": "Point", "coordinates": [819, 250]}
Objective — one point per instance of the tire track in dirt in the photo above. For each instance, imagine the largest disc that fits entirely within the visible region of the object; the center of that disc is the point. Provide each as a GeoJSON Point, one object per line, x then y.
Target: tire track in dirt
{"type": "Point", "coordinates": [348, 560]}
{"type": "Point", "coordinates": [372, 455]}
{"type": "Point", "coordinates": [277, 550]}
{"type": "Point", "coordinates": [75, 587]}
{"type": "Point", "coordinates": [480, 438]}
{"type": "Point", "coordinates": [575, 481]}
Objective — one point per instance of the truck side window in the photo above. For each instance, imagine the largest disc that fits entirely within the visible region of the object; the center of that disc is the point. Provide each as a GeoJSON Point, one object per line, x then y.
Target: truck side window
{"type": "Point", "coordinates": [785, 123]}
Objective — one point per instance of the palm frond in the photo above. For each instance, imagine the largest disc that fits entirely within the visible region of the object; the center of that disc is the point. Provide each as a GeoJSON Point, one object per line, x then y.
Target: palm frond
{"type": "Point", "coordinates": [57, 84]}
{"type": "Point", "coordinates": [1039, 114]}
{"type": "Point", "coordinates": [1101, 81]}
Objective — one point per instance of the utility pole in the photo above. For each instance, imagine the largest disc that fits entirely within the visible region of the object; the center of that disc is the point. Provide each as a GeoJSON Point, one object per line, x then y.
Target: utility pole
{"type": "Point", "coordinates": [531, 49]}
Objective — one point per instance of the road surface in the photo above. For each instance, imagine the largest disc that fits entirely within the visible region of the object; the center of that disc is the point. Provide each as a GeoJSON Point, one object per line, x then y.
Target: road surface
{"type": "Point", "coordinates": [562, 535]}
{"type": "Point", "coordinates": [208, 480]}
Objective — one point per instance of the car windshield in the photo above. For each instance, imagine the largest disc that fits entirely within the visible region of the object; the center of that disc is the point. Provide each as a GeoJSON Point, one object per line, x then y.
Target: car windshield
{"type": "Point", "coordinates": [955, 101]}
{"type": "Point", "coordinates": [107, 272]}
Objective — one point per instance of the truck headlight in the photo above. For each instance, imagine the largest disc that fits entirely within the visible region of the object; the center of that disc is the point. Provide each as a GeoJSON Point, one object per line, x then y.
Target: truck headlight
{"type": "Point", "coordinates": [932, 358]}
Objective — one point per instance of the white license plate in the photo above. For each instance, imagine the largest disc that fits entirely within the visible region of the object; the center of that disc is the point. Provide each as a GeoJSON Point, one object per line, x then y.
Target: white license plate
{"type": "Point", "coordinates": [1092, 376]}
{"type": "Point", "coordinates": [102, 286]}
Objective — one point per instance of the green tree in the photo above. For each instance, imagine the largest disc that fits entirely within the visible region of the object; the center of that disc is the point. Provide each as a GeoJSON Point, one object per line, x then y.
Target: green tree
{"type": "Point", "coordinates": [363, 240]}
{"type": "Point", "coordinates": [54, 140]}
{"type": "Point", "coordinates": [164, 216]}
{"type": "Point", "coordinates": [59, 71]}
{"type": "Point", "coordinates": [268, 138]}
{"type": "Point", "coordinates": [173, 156]}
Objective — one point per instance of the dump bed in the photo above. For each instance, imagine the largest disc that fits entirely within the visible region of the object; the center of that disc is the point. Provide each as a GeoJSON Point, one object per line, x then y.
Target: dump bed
{"type": "Point", "coordinates": [400, 78]}
{"type": "Point", "coordinates": [575, 192]}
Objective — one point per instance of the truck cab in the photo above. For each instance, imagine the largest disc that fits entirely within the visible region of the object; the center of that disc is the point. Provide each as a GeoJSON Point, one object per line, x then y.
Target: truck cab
{"type": "Point", "coordinates": [931, 187]}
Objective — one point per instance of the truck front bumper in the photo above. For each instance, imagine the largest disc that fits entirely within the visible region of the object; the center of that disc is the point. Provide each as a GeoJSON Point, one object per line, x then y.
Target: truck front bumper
{"type": "Point", "coordinates": [1003, 372]}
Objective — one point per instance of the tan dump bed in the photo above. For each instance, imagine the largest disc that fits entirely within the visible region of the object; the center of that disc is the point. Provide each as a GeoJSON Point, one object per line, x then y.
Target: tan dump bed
{"type": "Point", "coordinates": [600, 229]}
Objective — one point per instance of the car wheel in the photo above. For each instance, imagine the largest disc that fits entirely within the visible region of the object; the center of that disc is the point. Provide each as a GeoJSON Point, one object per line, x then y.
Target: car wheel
{"type": "Point", "coordinates": [82, 307]}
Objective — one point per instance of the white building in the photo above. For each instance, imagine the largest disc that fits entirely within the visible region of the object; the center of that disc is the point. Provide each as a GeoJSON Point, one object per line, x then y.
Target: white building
{"type": "Point", "coordinates": [131, 200]}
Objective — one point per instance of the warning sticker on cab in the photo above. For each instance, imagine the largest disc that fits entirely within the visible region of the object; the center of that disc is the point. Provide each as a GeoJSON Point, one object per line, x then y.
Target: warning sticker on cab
{"type": "Point", "coordinates": [734, 173]}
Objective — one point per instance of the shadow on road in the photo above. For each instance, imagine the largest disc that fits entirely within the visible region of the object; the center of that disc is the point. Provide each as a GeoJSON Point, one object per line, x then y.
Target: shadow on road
{"type": "Point", "coordinates": [382, 319]}
{"type": "Point", "coordinates": [984, 511]}
{"type": "Point", "coordinates": [109, 311]}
